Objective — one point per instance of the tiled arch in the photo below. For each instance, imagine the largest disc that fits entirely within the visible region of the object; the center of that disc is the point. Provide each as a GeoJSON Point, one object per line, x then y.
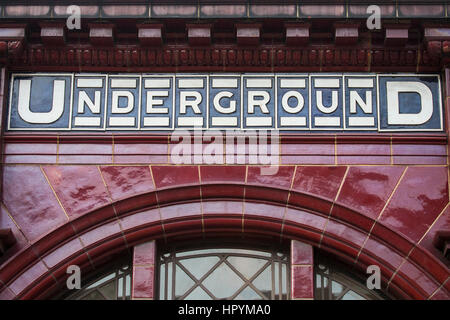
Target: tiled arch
{"type": "Point", "coordinates": [127, 205]}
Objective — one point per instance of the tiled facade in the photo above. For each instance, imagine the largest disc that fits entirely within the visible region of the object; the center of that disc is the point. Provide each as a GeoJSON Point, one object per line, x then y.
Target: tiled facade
{"type": "Point", "coordinates": [365, 198]}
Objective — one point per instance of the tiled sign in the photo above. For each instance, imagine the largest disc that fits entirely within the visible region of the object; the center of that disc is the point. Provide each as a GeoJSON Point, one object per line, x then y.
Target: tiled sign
{"type": "Point", "coordinates": [288, 102]}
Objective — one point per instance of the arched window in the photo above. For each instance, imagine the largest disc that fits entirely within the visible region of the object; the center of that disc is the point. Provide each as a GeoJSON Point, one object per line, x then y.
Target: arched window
{"type": "Point", "coordinates": [224, 273]}
{"type": "Point", "coordinates": [111, 283]}
{"type": "Point", "coordinates": [334, 281]}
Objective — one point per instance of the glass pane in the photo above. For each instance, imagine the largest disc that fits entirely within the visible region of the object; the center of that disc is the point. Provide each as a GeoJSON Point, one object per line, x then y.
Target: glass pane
{"type": "Point", "coordinates": [336, 288]}
{"type": "Point", "coordinates": [247, 266]}
{"type": "Point", "coordinates": [352, 295]}
{"type": "Point", "coordinates": [102, 280]}
{"type": "Point", "coordinates": [284, 278]}
{"type": "Point", "coordinates": [120, 288]}
{"type": "Point", "coordinates": [199, 266]}
{"type": "Point", "coordinates": [198, 294]}
{"type": "Point", "coordinates": [182, 282]}
{"type": "Point", "coordinates": [109, 291]}
{"type": "Point", "coordinates": [210, 251]}
{"type": "Point", "coordinates": [128, 285]}
{"type": "Point", "coordinates": [277, 282]}
{"type": "Point", "coordinates": [264, 282]}
{"type": "Point", "coordinates": [223, 282]}
{"type": "Point", "coordinates": [162, 281]}
{"type": "Point", "coordinates": [248, 294]}
{"type": "Point", "coordinates": [95, 295]}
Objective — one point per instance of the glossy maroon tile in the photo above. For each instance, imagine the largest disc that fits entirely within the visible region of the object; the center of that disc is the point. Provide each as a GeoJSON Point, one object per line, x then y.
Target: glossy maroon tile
{"type": "Point", "coordinates": [279, 196]}
{"type": "Point", "coordinates": [366, 189]}
{"type": "Point", "coordinates": [28, 277]}
{"type": "Point", "coordinates": [282, 178]}
{"type": "Point", "coordinates": [144, 253]}
{"type": "Point", "coordinates": [305, 219]}
{"type": "Point", "coordinates": [402, 244]}
{"type": "Point", "coordinates": [126, 181]}
{"type": "Point", "coordinates": [427, 261]}
{"type": "Point", "coordinates": [30, 201]}
{"type": "Point", "coordinates": [420, 197]}
{"type": "Point", "coordinates": [388, 255]}
{"type": "Point", "coordinates": [301, 253]}
{"type": "Point", "coordinates": [79, 188]}
{"type": "Point", "coordinates": [302, 282]}
{"type": "Point", "coordinates": [222, 207]}
{"type": "Point", "coordinates": [217, 174]}
{"type": "Point", "coordinates": [306, 160]}
{"type": "Point", "coordinates": [99, 234]}
{"type": "Point", "coordinates": [345, 233]}
{"type": "Point", "coordinates": [171, 176]}
{"type": "Point", "coordinates": [63, 252]}
{"type": "Point", "coordinates": [21, 242]}
{"type": "Point", "coordinates": [264, 210]}
{"type": "Point", "coordinates": [222, 190]}
{"type": "Point", "coordinates": [441, 294]}
{"type": "Point", "coordinates": [418, 278]}
{"type": "Point", "coordinates": [181, 210]}
{"type": "Point", "coordinates": [321, 181]}
{"type": "Point", "coordinates": [140, 219]}
{"type": "Point", "coordinates": [143, 282]}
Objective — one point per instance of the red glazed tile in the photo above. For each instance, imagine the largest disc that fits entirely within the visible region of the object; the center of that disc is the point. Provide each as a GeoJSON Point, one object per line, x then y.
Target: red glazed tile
{"type": "Point", "coordinates": [363, 149]}
{"type": "Point", "coordinates": [419, 150]}
{"type": "Point", "coordinates": [42, 286]}
{"type": "Point", "coordinates": [418, 278]}
{"type": "Point", "coordinates": [63, 252]}
{"type": "Point", "coordinates": [125, 181]}
{"type": "Point", "coordinates": [301, 253]}
{"type": "Point", "coordinates": [426, 260]}
{"type": "Point", "coordinates": [441, 294]}
{"type": "Point", "coordinates": [281, 179]}
{"type": "Point", "coordinates": [302, 282]}
{"type": "Point", "coordinates": [436, 160]}
{"type": "Point", "coordinates": [79, 188]}
{"type": "Point", "coordinates": [7, 294]}
{"type": "Point", "coordinates": [180, 194]}
{"type": "Point", "coordinates": [420, 197]}
{"type": "Point", "coordinates": [99, 234]}
{"type": "Point", "coordinates": [31, 201]}
{"type": "Point", "coordinates": [366, 189]}
{"type": "Point", "coordinates": [380, 160]}
{"type": "Point", "coordinates": [352, 217]}
{"type": "Point", "coordinates": [21, 241]}
{"type": "Point", "coordinates": [442, 223]}
{"type": "Point", "coordinates": [154, 231]}
{"type": "Point", "coordinates": [222, 190]}
{"type": "Point", "coordinates": [138, 202]}
{"type": "Point", "coordinates": [140, 149]}
{"type": "Point", "coordinates": [181, 210]}
{"type": "Point", "coordinates": [171, 176]}
{"type": "Point", "coordinates": [30, 159]}
{"type": "Point", "coordinates": [406, 288]}
{"type": "Point", "coordinates": [139, 219]}
{"type": "Point", "coordinates": [305, 160]}
{"type": "Point", "coordinates": [108, 248]}
{"type": "Point", "coordinates": [263, 210]}
{"type": "Point", "coordinates": [217, 174]}
{"type": "Point", "coordinates": [261, 226]}
{"type": "Point", "coordinates": [143, 282]}
{"type": "Point", "coordinates": [305, 219]}
{"type": "Point", "coordinates": [93, 218]}
{"type": "Point", "coordinates": [310, 202]}
{"type": "Point", "coordinates": [341, 247]}
{"type": "Point", "coordinates": [299, 232]}
{"type": "Point", "coordinates": [28, 277]}
{"type": "Point", "coordinates": [392, 238]}
{"type": "Point", "coordinates": [266, 194]}
{"type": "Point", "coordinates": [233, 222]}
{"type": "Point", "coordinates": [21, 261]}
{"type": "Point", "coordinates": [84, 149]}
{"type": "Point", "coordinates": [144, 253]}
{"type": "Point", "coordinates": [321, 181]}
{"type": "Point", "coordinates": [222, 207]}
{"type": "Point", "coordinates": [30, 148]}
{"type": "Point", "coordinates": [140, 159]}
{"type": "Point", "coordinates": [345, 233]}
{"type": "Point", "coordinates": [191, 226]}
{"type": "Point", "coordinates": [384, 253]}
{"type": "Point", "coordinates": [84, 159]}
{"type": "Point", "coordinates": [307, 149]}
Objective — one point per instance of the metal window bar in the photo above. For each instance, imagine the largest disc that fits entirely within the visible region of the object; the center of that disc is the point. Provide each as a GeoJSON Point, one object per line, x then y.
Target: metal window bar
{"type": "Point", "coordinates": [168, 274]}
